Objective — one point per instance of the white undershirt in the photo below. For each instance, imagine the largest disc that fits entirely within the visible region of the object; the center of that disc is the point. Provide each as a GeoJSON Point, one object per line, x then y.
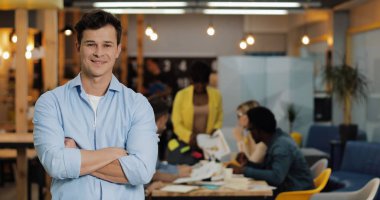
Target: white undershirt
{"type": "Point", "coordinates": [94, 101]}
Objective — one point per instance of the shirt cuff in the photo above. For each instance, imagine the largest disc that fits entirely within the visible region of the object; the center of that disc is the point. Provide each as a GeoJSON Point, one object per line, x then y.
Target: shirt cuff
{"type": "Point", "coordinates": [72, 160]}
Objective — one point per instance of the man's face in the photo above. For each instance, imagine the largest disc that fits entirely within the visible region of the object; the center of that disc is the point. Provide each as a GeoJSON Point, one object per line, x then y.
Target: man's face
{"type": "Point", "coordinates": [256, 134]}
{"type": "Point", "coordinates": [161, 123]}
{"type": "Point", "coordinates": [98, 51]}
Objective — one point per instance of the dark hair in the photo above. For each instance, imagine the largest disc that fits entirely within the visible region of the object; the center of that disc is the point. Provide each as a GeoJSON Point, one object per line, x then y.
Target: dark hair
{"type": "Point", "coordinates": [160, 107]}
{"type": "Point", "coordinates": [95, 20]}
{"type": "Point", "coordinates": [200, 72]}
{"type": "Point", "coordinates": [262, 118]}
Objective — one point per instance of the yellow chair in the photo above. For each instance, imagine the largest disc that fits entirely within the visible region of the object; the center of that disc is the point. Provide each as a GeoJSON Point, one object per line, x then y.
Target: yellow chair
{"type": "Point", "coordinates": [319, 182]}
{"type": "Point", "coordinates": [297, 137]}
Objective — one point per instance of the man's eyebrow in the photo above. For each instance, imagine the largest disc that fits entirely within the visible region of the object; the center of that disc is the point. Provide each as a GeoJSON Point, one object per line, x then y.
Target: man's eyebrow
{"type": "Point", "coordinates": [108, 42]}
{"type": "Point", "coordinates": [89, 41]}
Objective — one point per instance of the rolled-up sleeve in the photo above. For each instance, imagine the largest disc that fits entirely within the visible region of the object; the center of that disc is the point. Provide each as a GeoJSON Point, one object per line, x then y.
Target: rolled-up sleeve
{"type": "Point", "coordinates": [58, 161]}
{"type": "Point", "coordinates": [142, 144]}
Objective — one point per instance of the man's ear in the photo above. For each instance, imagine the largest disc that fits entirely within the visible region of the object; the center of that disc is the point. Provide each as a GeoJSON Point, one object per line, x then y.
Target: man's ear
{"type": "Point", "coordinates": [77, 46]}
{"type": "Point", "coordinates": [118, 50]}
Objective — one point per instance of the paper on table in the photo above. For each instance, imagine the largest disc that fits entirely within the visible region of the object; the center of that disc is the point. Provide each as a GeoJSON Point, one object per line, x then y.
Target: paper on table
{"type": "Point", "coordinates": [201, 171]}
{"type": "Point", "coordinates": [179, 188]}
{"type": "Point", "coordinates": [214, 145]}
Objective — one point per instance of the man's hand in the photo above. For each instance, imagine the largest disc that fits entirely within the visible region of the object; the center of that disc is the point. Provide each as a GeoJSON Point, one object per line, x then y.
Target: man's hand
{"type": "Point", "coordinates": [70, 143]}
{"type": "Point", "coordinates": [242, 159]}
{"type": "Point", "coordinates": [238, 170]}
{"type": "Point", "coordinates": [153, 186]}
{"type": "Point", "coordinates": [184, 170]}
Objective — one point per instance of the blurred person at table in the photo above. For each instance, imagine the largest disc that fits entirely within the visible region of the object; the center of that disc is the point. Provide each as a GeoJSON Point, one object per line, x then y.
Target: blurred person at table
{"type": "Point", "coordinates": [196, 109]}
{"type": "Point", "coordinates": [164, 172]}
{"type": "Point", "coordinates": [94, 136]}
{"type": "Point", "coordinates": [284, 166]}
{"type": "Point", "coordinates": [249, 150]}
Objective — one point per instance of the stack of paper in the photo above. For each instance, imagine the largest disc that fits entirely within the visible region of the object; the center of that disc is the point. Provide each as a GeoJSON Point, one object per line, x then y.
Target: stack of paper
{"type": "Point", "coordinates": [214, 146]}
{"type": "Point", "coordinates": [201, 171]}
{"type": "Point", "coordinates": [237, 183]}
{"type": "Point", "coordinates": [179, 188]}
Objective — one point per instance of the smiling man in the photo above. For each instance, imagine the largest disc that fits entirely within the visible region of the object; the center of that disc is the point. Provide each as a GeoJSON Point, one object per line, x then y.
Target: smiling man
{"type": "Point", "coordinates": [93, 135]}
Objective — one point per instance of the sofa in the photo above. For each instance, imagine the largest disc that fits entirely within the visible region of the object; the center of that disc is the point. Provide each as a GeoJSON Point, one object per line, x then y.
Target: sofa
{"type": "Point", "coordinates": [360, 163]}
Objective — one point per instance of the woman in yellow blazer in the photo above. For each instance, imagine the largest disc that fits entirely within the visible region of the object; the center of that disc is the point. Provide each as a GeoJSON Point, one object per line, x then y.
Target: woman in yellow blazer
{"type": "Point", "coordinates": [196, 109]}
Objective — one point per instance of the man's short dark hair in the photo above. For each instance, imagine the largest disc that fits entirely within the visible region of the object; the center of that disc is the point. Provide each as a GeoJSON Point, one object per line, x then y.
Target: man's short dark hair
{"type": "Point", "coordinates": [96, 20]}
{"type": "Point", "coordinates": [263, 119]}
{"type": "Point", "coordinates": [200, 72]}
{"type": "Point", "coordinates": [160, 107]}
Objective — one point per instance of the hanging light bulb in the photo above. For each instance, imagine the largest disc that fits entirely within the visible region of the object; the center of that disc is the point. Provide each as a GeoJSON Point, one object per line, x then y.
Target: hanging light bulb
{"type": "Point", "coordinates": [29, 47]}
{"type": "Point", "coordinates": [28, 55]}
{"type": "Point", "coordinates": [148, 30]}
{"type": "Point", "coordinates": [14, 38]}
{"type": "Point", "coordinates": [6, 55]}
{"type": "Point", "coordinates": [68, 32]}
{"type": "Point", "coordinates": [243, 44]}
{"type": "Point", "coordinates": [210, 30]}
{"type": "Point", "coordinates": [305, 40]}
{"type": "Point", "coordinates": [250, 39]}
{"type": "Point", "coordinates": [153, 36]}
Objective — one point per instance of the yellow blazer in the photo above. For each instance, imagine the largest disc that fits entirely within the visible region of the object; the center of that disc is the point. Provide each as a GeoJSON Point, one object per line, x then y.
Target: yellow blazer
{"type": "Point", "coordinates": [183, 112]}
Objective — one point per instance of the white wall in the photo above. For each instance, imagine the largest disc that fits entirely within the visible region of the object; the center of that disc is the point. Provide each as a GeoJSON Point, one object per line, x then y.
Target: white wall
{"type": "Point", "coordinates": [366, 57]}
{"type": "Point", "coordinates": [273, 81]}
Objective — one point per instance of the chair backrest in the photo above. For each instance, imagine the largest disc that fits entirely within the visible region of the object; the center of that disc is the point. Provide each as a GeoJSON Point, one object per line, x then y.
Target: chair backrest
{"type": "Point", "coordinates": [321, 180]}
{"type": "Point", "coordinates": [318, 167]}
{"type": "Point", "coordinates": [362, 157]}
{"type": "Point", "coordinates": [319, 137]}
{"type": "Point", "coordinates": [368, 192]}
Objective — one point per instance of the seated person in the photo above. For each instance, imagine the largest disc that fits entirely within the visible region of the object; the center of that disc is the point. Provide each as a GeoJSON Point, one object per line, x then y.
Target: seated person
{"type": "Point", "coordinates": [284, 165]}
{"type": "Point", "coordinates": [164, 172]}
{"type": "Point", "coordinates": [248, 148]}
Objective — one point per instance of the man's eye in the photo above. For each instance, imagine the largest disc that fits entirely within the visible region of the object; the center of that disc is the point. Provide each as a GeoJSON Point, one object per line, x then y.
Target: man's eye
{"type": "Point", "coordinates": [107, 45]}
{"type": "Point", "coordinates": [90, 45]}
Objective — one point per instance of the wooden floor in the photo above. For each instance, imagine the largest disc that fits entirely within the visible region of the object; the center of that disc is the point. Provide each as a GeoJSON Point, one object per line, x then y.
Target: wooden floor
{"type": "Point", "coordinates": [8, 191]}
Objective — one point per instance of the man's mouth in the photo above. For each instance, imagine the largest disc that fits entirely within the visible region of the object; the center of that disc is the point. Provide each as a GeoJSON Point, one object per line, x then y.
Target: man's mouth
{"type": "Point", "coordinates": [98, 61]}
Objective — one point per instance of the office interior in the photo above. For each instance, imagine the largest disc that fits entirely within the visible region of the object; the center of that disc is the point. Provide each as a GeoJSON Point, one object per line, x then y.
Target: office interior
{"type": "Point", "coordinates": [274, 54]}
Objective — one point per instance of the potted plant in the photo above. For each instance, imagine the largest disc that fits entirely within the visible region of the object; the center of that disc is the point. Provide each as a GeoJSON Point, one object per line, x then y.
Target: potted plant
{"type": "Point", "coordinates": [292, 115]}
{"type": "Point", "coordinates": [348, 85]}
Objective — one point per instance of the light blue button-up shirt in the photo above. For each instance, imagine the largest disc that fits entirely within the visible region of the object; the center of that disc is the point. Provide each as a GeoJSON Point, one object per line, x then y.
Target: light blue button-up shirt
{"type": "Point", "coordinates": [123, 119]}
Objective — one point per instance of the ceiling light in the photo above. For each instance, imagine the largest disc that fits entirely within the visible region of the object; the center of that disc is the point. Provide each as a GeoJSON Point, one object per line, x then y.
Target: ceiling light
{"type": "Point", "coordinates": [6, 55]}
{"type": "Point", "coordinates": [244, 12]}
{"type": "Point", "coordinates": [305, 40]}
{"type": "Point", "coordinates": [138, 4]}
{"type": "Point", "coordinates": [250, 39]}
{"type": "Point", "coordinates": [255, 4]}
{"type": "Point", "coordinates": [145, 11]}
{"type": "Point", "coordinates": [154, 36]}
{"type": "Point", "coordinates": [28, 55]}
{"type": "Point", "coordinates": [210, 30]}
{"type": "Point", "coordinates": [243, 44]}
{"type": "Point", "coordinates": [148, 30]}
{"type": "Point", "coordinates": [29, 47]}
{"type": "Point", "coordinates": [14, 38]}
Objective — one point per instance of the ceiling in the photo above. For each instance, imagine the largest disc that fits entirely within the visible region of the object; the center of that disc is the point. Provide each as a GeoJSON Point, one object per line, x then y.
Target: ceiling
{"type": "Point", "coordinates": [196, 6]}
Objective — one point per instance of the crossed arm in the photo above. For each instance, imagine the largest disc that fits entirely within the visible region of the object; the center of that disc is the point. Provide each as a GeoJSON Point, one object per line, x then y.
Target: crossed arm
{"type": "Point", "coordinates": [102, 163]}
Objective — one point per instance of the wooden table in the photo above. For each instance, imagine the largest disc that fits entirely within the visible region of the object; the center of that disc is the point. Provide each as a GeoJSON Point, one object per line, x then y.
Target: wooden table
{"type": "Point", "coordinates": [20, 142]}
{"type": "Point", "coordinates": [220, 193]}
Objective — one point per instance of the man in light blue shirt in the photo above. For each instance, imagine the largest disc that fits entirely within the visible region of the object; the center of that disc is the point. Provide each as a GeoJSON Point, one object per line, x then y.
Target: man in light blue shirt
{"type": "Point", "coordinates": [93, 135]}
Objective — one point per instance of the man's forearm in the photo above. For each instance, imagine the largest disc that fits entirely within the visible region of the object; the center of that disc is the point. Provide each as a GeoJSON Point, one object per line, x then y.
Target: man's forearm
{"type": "Point", "coordinates": [94, 160]}
{"type": "Point", "coordinates": [165, 177]}
{"type": "Point", "coordinates": [113, 172]}
{"type": "Point", "coordinates": [121, 180]}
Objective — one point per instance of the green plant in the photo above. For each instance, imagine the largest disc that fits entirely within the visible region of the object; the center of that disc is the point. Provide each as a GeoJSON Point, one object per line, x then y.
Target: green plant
{"type": "Point", "coordinates": [292, 115]}
{"type": "Point", "coordinates": [348, 85]}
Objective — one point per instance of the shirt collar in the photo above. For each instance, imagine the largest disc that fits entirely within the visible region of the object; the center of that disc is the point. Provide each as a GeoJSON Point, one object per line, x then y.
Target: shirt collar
{"type": "Point", "coordinates": [114, 85]}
